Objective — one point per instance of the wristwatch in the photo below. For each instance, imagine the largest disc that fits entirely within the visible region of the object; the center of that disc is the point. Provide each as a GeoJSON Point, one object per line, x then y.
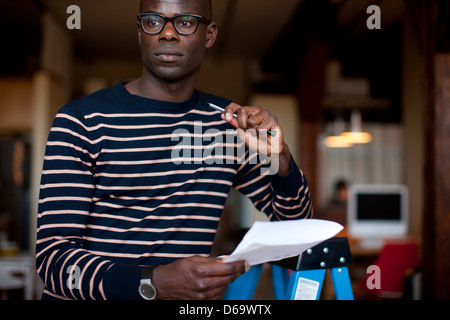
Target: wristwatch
{"type": "Point", "coordinates": [146, 289]}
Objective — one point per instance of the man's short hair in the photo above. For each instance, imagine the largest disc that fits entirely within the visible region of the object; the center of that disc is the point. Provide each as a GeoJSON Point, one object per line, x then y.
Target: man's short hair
{"type": "Point", "coordinates": [208, 3]}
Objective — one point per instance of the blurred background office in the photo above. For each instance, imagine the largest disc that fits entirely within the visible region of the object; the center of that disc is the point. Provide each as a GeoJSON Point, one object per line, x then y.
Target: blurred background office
{"type": "Point", "coordinates": [322, 66]}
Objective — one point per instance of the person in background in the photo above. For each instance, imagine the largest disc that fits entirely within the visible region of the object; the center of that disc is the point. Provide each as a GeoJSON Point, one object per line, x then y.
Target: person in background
{"type": "Point", "coordinates": [336, 209]}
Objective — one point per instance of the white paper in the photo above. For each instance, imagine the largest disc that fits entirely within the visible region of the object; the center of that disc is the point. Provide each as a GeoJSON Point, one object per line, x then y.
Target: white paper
{"type": "Point", "coordinates": [273, 241]}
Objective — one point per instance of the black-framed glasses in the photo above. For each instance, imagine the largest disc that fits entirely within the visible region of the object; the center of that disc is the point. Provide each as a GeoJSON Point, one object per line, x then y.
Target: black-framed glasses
{"type": "Point", "coordinates": [185, 24]}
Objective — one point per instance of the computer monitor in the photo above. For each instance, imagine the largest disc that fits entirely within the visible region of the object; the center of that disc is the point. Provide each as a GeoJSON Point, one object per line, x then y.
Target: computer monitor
{"type": "Point", "coordinates": [377, 212]}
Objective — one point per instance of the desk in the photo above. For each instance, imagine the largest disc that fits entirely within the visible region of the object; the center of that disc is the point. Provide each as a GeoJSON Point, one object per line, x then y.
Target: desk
{"type": "Point", "coordinates": [356, 249]}
{"type": "Point", "coordinates": [361, 251]}
{"type": "Point", "coordinates": [18, 272]}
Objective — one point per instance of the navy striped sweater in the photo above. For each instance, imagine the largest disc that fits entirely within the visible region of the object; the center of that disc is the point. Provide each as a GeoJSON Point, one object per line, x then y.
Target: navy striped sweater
{"type": "Point", "coordinates": [122, 189]}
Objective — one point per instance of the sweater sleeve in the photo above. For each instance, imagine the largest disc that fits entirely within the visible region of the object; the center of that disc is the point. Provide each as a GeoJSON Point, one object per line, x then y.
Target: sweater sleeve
{"type": "Point", "coordinates": [279, 197]}
{"type": "Point", "coordinates": [67, 269]}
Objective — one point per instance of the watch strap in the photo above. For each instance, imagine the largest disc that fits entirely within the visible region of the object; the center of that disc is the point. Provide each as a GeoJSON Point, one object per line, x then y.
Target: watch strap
{"type": "Point", "coordinates": [147, 273]}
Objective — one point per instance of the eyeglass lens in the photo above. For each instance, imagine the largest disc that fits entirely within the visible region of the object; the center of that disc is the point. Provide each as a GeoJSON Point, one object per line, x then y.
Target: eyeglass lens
{"type": "Point", "coordinates": [183, 24]}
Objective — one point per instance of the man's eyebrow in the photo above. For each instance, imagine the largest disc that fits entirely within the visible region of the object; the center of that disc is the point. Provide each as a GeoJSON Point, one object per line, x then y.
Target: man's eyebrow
{"type": "Point", "coordinates": [176, 14]}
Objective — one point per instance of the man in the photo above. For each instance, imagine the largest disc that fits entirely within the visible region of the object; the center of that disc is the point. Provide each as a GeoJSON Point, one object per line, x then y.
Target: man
{"type": "Point", "coordinates": [119, 216]}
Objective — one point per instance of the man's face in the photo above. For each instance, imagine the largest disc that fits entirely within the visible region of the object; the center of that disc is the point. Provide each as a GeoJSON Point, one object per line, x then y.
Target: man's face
{"type": "Point", "coordinates": [169, 56]}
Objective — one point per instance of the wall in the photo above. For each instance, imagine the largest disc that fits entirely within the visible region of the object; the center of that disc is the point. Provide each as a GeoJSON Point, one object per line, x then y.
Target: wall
{"type": "Point", "coordinates": [15, 105]}
{"type": "Point", "coordinates": [226, 77]}
{"type": "Point", "coordinates": [51, 90]}
{"type": "Point", "coordinates": [90, 76]}
{"type": "Point", "coordinates": [413, 101]}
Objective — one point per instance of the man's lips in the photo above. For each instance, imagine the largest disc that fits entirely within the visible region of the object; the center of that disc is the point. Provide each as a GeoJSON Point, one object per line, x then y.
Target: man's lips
{"type": "Point", "coordinates": [168, 56]}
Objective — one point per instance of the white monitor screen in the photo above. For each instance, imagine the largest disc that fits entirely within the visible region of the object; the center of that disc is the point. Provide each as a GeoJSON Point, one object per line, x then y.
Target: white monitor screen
{"type": "Point", "coordinates": [382, 206]}
{"type": "Point", "coordinates": [377, 211]}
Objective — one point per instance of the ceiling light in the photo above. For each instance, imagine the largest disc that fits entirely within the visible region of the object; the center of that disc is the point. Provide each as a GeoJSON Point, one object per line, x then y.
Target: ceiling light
{"type": "Point", "coordinates": [337, 142]}
{"type": "Point", "coordinates": [356, 134]}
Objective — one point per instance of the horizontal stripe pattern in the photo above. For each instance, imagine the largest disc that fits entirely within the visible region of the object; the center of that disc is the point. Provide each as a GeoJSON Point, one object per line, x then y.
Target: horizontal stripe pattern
{"type": "Point", "coordinates": [122, 188]}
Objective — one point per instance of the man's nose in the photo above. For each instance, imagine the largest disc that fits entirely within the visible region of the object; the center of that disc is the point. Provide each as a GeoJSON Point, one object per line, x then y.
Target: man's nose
{"type": "Point", "coordinates": [169, 32]}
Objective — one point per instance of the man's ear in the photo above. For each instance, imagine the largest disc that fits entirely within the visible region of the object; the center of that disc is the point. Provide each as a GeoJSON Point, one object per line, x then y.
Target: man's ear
{"type": "Point", "coordinates": [211, 34]}
{"type": "Point", "coordinates": [139, 32]}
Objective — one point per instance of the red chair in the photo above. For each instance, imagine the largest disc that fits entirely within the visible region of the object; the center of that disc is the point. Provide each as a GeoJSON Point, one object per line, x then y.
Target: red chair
{"type": "Point", "coordinates": [395, 260]}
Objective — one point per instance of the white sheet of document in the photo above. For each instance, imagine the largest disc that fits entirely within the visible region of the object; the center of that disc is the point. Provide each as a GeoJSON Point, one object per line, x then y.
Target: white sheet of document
{"type": "Point", "coordinates": [273, 241]}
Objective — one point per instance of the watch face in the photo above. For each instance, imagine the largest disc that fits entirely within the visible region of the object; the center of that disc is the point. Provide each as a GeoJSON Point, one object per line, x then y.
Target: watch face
{"type": "Point", "coordinates": [147, 291]}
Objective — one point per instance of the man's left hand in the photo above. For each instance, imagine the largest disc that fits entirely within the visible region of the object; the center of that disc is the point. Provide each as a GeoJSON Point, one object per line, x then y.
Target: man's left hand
{"type": "Point", "coordinates": [255, 123]}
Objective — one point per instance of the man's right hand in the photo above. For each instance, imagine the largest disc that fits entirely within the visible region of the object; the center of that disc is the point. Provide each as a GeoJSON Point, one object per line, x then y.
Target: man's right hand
{"type": "Point", "coordinates": [196, 278]}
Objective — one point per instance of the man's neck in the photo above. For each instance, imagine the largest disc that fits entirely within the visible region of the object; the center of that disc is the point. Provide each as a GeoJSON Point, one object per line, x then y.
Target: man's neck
{"type": "Point", "coordinates": [158, 90]}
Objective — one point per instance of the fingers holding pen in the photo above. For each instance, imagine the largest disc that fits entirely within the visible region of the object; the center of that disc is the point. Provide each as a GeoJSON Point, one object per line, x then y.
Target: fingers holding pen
{"type": "Point", "coordinates": [251, 117]}
{"type": "Point", "coordinates": [230, 114]}
{"type": "Point", "coordinates": [236, 115]}
{"type": "Point", "coordinates": [244, 117]}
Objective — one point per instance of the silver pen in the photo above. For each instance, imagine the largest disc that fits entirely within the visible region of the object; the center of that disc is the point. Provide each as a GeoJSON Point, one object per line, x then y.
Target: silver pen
{"type": "Point", "coordinates": [271, 132]}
